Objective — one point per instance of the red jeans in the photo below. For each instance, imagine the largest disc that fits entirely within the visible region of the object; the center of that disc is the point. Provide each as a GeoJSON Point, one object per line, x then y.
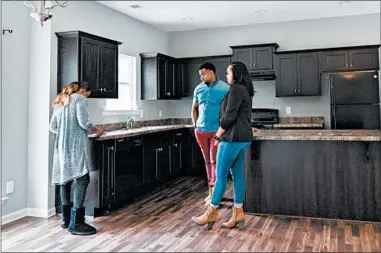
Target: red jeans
{"type": "Point", "coordinates": [209, 151]}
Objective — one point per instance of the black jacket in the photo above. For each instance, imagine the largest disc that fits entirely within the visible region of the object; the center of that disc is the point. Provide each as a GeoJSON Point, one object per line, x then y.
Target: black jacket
{"type": "Point", "coordinates": [235, 115]}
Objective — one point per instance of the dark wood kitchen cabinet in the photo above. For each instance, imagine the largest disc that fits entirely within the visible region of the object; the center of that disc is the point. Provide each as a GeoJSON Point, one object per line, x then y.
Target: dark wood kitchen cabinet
{"type": "Point", "coordinates": [85, 57]}
{"type": "Point", "coordinates": [106, 175]}
{"type": "Point", "coordinates": [158, 155]}
{"type": "Point", "coordinates": [182, 78]}
{"type": "Point", "coordinates": [182, 158]}
{"type": "Point", "coordinates": [297, 74]}
{"type": "Point", "coordinates": [350, 59]}
{"type": "Point", "coordinates": [255, 57]}
{"type": "Point", "coordinates": [329, 179]}
{"type": "Point", "coordinates": [158, 75]}
{"type": "Point", "coordinates": [121, 173]}
{"type": "Point", "coordinates": [127, 168]}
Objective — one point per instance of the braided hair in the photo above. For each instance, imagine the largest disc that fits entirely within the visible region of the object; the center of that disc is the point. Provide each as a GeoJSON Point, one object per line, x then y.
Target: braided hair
{"type": "Point", "coordinates": [241, 76]}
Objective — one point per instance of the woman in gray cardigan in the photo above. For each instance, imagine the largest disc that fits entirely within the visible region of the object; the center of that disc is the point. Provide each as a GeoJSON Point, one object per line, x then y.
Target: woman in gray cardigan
{"type": "Point", "coordinates": [70, 123]}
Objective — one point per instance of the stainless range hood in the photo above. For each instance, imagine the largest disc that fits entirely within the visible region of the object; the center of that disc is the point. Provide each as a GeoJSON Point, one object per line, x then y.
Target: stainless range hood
{"type": "Point", "coordinates": [262, 75]}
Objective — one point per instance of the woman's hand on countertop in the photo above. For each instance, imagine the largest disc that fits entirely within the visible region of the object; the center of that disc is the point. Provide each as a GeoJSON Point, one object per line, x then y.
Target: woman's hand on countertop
{"type": "Point", "coordinates": [255, 130]}
{"type": "Point", "coordinates": [98, 131]}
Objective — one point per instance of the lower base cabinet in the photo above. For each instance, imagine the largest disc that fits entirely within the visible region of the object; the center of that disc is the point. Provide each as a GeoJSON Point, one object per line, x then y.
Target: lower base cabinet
{"type": "Point", "coordinates": [128, 168]}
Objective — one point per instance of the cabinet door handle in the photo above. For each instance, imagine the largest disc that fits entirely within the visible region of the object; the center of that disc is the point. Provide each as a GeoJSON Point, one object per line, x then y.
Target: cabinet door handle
{"type": "Point", "coordinates": [170, 159]}
{"type": "Point", "coordinates": [173, 80]}
{"type": "Point", "coordinates": [346, 64]}
{"type": "Point", "coordinates": [168, 93]}
{"type": "Point", "coordinates": [298, 90]}
{"type": "Point", "coordinates": [175, 145]}
{"type": "Point", "coordinates": [181, 162]}
{"type": "Point", "coordinates": [295, 90]}
{"type": "Point", "coordinates": [179, 134]}
{"type": "Point", "coordinates": [157, 150]}
{"type": "Point", "coordinates": [104, 89]}
{"type": "Point", "coordinates": [351, 65]}
{"type": "Point", "coordinates": [113, 174]}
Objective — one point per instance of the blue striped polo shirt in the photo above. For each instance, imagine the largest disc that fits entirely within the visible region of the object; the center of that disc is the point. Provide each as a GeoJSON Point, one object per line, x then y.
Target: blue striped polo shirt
{"type": "Point", "coordinates": [209, 98]}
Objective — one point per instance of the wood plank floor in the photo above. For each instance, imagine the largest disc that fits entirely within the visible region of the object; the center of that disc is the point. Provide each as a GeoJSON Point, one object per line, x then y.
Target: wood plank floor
{"type": "Point", "coordinates": [162, 222]}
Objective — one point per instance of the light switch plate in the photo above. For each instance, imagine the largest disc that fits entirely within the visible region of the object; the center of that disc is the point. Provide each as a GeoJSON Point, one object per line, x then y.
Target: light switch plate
{"type": "Point", "coordinates": [288, 110]}
{"type": "Point", "coordinates": [9, 187]}
{"type": "Point", "coordinates": [160, 113]}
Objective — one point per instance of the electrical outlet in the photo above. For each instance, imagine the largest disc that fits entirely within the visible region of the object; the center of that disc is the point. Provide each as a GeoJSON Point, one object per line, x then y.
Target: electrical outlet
{"type": "Point", "coordinates": [141, 113]}
{"type": "Point", "coordinates": [160, 113]}
{"type": "Point", "coordinates": [288, 110]}
{"type": "Point", "coordinates": [9, 187]}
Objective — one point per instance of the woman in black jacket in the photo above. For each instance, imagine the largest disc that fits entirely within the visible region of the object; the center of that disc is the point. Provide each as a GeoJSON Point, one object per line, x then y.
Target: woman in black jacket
{"type": "Point", "coordinates": [233, 138]}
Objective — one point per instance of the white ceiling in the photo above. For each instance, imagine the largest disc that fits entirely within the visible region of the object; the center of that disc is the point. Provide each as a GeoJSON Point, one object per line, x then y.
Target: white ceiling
{"type": "Point", "coordinates": [168, 15]}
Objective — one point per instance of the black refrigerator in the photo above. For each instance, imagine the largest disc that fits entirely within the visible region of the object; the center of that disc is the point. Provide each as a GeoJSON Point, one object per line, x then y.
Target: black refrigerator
{"type": "Point", "coordinates": [355, 100]}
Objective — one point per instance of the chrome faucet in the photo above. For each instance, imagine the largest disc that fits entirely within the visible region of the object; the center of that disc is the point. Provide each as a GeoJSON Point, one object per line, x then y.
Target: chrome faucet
{"type": "Point", "coordinates": [129, 122]}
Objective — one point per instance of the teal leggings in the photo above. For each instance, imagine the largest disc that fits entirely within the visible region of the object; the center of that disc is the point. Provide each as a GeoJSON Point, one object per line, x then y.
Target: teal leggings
{"type": "Point", "coordinates": [230, 156]}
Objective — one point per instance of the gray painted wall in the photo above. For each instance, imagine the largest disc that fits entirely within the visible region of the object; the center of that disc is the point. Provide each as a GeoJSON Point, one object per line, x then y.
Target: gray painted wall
{"type": "Point", "coordinates": [321, 33]}
{"type": "Point", "coordinates": [14, 100]}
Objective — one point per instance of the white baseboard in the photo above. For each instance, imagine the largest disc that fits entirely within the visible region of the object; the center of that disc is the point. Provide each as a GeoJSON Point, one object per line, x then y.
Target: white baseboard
{"type": "Point", "coordinates": [41, 213]}
{"type": "Point", "coordinates": [33, 212]}
{"type": "Point", "coordinates": [14, 216]}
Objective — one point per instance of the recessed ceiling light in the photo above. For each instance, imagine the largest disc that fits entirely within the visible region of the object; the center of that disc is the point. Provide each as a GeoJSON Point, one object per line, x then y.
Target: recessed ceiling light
{"type": "Point", "coordinates": [260, 11]}
{"type": "Point", "coordinates": [135, 6]}
{"type": "Point", "coordinates": [345, 2]}
{"type": "Point", "coordinates": [187, 18]}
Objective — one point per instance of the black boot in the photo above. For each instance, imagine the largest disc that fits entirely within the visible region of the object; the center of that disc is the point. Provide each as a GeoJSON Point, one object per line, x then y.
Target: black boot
{"type": "Point", "coordinates": [77, 224]}
{"type": "Point", "coordinates": [66, 208]}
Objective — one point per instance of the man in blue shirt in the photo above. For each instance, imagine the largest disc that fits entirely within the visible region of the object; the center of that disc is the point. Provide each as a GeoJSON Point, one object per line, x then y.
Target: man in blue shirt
{"type": "Point", "coordinates": [207, 98]}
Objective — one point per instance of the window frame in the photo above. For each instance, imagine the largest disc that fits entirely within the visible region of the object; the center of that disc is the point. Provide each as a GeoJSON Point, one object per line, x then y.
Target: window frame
{"type": "Point", "coordinates": [108, 110]}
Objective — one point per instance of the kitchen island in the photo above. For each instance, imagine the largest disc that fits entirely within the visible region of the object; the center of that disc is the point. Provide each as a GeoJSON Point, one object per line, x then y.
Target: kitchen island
{"type": "Point", "coordinates": [315, 173]}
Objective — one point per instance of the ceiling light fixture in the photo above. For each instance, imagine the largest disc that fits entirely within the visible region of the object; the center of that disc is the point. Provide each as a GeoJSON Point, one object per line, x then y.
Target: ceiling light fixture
{"type": "Point", "coordinates": [135, 6]}
{"type": "Point", "coordinates": [260, 11]}
{"type": "Point", "coordinates": [345, 2]}
{"type": "Point", "coordinates": [42, 9]}
{"type": "Point", "coordinates": [187, 18]}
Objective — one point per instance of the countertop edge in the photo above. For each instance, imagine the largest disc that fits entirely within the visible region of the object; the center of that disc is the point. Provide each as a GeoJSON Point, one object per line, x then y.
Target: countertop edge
{"type": "Point", "coordinates": [317, 138]}
{"type": "Point", "coordinates": [256, 136]}
{"type": "Point", "coordinates": [138, 133]}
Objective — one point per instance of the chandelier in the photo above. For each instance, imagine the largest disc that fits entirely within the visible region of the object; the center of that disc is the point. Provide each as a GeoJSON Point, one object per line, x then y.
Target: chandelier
{"type": "Point", "coordinates": [42, 13]}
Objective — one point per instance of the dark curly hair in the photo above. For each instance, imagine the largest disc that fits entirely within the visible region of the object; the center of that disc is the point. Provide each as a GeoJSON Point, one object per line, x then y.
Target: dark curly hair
{"type": "Point", "coordinates": [241, 76]}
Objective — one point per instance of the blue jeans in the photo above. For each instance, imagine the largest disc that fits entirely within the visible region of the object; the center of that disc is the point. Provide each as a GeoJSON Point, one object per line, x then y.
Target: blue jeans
{"type": "Point", "coordinates": [230, 156]}
{"type": "Point", "coordinates": [79, 191]}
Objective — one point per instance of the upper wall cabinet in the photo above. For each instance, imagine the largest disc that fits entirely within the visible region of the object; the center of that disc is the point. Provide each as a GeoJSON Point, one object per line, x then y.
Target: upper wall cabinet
{"type": "Point", "coordinates": [297, 74]}
{"type": "Point", "coordinates": [255, 57]}
{"type": "Point", "coordinates": [86, 57]}
{"type": "Point", "coordinates": [366, 58]}
{"type": "Point", "coordinates": [159, 77]}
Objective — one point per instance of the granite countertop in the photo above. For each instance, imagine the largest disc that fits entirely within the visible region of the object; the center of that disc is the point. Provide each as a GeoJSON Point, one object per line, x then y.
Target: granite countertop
{"type": "Point", "coordinates": [300, 122]}
{"type": "Point", "coordinates": [123, 133]}
{"type": "Point", "coordinates": [299, 125]}
{"type": "Point", "coordinates": [316, 135]}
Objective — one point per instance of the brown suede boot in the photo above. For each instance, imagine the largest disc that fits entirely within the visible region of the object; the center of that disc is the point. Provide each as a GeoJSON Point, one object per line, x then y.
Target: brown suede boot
{"type": "Point", "coordinates": [209, 217]}
{"type": "Point", "coordinates": [237, 219]}
{"type": "Point", "coordinates": [209, 195]}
